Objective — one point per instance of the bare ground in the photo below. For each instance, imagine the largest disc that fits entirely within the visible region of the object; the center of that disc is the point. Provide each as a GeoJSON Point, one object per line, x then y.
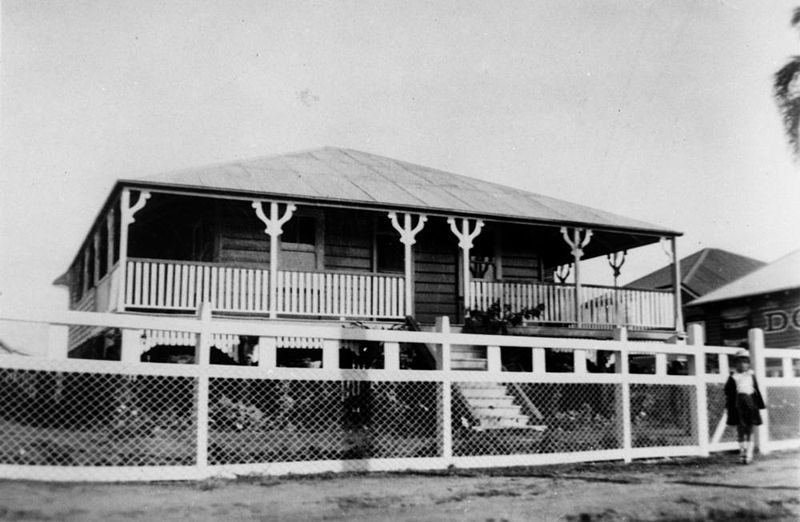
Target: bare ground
{"type": "Point", "coordinates": [668, 490]}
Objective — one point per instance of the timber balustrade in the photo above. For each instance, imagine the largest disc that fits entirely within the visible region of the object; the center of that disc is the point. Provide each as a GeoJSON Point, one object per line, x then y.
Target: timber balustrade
{"type": "Point", "coordinates": [601, 306]}
{"type": "Point", "coordinates": [182, 286]}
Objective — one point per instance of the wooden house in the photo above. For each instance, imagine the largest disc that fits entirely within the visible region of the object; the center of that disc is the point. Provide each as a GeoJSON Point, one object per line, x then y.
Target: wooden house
{"type": "Point", "coordinates": [340, 235]}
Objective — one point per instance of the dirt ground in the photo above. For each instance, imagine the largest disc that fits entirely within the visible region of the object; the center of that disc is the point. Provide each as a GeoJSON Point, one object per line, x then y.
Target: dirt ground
{"type": "Point", "coordinates": [667, 490]}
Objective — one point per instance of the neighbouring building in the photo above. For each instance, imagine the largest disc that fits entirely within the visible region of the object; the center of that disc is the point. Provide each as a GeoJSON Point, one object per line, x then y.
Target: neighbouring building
{"type": "Point", "coordinates": [701, 273]}
{"type": "Point", "coordinates": [767, 298]}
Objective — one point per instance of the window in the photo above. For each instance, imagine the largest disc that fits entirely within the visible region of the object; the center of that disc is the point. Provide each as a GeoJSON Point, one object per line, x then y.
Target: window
{"type": "Point", "coordinates": [299, 244]}
{"type": "Point", "coordinates": [300, 230]}
{"type": "Point", "coordinates": [390, 253]}
{"type": "Point", "coordinates": [102, 254]}
{"type": "Point", "coordinates": [90, 260]}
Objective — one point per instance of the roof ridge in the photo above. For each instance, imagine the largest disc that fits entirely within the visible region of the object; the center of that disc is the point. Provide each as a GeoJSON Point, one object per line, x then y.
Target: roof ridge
{"type": "Point", "coordinates": [692, 271]}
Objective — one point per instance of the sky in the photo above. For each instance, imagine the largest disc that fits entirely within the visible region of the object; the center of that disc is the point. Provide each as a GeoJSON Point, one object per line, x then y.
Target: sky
{"type": "Point", "coordinates": [659, 111]}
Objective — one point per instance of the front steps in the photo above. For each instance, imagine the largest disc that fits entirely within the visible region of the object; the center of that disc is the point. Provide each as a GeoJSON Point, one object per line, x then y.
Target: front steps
{"type": "Point", "coordinates": [490, 404]}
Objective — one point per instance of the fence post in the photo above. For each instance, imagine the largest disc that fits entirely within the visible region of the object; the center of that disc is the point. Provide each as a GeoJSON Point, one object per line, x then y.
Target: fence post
{"type": "Point", "coordinates": [698, 360]}
{"type": "Point", "coordinates": [755, 339]}
{"type": "Point", "coordinates": [330, 354]}
{"type": "Point", "coordinates": [130, 346]}
{"type": "Point", "coordinates": [624, 394]}
{"type": "Point", "coordinates": [579, 361]}
{"type": "Point", "coordinates": [391, 356]}
{"type": "Point", "coordinates": [494, 361]}
{"type": "Point", "coordinates": [203, 360]}
{"type": "Point", "coordinates": [446, 406]}
{"type": "Point", "coordinates": [443, 352]}
{"type": "Point", "coordinates": [267, 352]}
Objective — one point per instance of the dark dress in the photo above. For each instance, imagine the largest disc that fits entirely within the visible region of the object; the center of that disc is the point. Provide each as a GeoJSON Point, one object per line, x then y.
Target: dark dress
{"type": "Point", "coordinates": [743, 409]}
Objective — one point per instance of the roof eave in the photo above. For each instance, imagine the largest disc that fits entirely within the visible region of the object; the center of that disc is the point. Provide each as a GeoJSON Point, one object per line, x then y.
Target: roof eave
{"type": "Point", "coordinates": [234, 193]}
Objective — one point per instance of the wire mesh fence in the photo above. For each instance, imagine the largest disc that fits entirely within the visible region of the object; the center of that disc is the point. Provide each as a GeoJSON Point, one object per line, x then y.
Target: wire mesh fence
{"type": "Point", "coordinates": [253, 421]}
{"type": "Point", "coordinates": [96, 419]}
{"type": "Point", "coordinates": [717, 419]}
{"type": "Point", "coordinates": [783, 405]}
{"type": "Point", "coordinates": [532, 418]}
{"type": "Point", "coordinates": [662, 415]}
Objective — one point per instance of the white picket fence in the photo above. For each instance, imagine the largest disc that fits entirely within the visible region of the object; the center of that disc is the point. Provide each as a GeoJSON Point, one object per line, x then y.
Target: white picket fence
{"type": "Point", "coordinates": [77, 420]}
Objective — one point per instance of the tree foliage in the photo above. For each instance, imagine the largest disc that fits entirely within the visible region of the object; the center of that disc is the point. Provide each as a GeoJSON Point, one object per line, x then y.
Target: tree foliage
{"type": "Point", "coordinates": [786, 89]}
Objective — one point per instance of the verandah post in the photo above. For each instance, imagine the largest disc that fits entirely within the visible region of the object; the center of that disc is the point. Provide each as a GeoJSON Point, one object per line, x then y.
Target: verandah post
{"type": "Point", "coordinates": [126, 212]}
{"type": "Point", "coordinates": [676, 286]}
{"type": "Point", "coordinates": [408, 234]}
{"type": "Point", "coordinates": [274, 228]}
{"type": "Point", "coordinates": [465, 242]}
{"type": "Point", "coordinates": [755, 340]}
{"type": "Point", "coordinates": [698, 369]}
{"type": "Point", "coordinates": [577, 244]}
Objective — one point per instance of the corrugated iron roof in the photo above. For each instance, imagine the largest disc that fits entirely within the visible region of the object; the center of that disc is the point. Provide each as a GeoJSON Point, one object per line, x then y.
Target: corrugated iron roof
{"type": "Point", "coordinates": [783, 274]}
{"type": "Point", "coordinates": [701, 272]}
{"type": "Point", "coordinates": [349, 176]}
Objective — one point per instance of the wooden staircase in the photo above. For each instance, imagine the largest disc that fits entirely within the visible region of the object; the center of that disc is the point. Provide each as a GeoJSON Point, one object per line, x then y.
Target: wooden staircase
{"type": "Point", "coordinates": [490, 404]}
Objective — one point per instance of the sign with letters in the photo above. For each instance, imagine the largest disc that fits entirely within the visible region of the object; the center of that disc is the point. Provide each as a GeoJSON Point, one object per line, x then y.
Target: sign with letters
{"type": "Point", "coordinates": [779, 320]}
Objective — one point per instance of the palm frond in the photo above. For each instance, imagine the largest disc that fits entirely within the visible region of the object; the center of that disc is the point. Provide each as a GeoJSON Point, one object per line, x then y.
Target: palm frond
{"type": "Point", "coordinates": [796, 16]}
{"type": "Point", "coordinates": [782, 81]}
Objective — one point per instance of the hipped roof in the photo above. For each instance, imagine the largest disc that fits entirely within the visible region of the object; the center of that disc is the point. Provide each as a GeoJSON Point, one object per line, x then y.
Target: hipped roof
{"type": "Point", "coordinates": [780, 275]}
{"type": "Point", "coordinates": [702, 272]}
{"type": "Point", "coordinates": [346, 176]}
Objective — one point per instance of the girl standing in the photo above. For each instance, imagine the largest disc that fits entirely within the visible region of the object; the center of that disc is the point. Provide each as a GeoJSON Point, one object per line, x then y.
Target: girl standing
{"type": "Point", "coordinates": [743, 401]}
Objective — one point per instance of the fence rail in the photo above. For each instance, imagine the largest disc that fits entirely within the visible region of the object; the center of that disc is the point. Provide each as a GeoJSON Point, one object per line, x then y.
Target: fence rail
{"type": "Point", "coordinates": [182, 286]}
{"type": "Point", "coordinates": [74, 419]}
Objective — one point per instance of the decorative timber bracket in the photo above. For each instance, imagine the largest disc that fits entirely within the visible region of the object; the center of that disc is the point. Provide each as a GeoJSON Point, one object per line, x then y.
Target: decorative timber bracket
{"type": "Point", "coordinates": [407, 232]}
{"type": "Point", "coordinates": [274, 223]}
{"type": "Point", "coordinates": [562, 272]}
{"type": "Point", "coordinates": [615, 261]}
{"type": "Point", "coordinates": [666, 246]}
{"type": "Point", "coordinates": [465, 237]}
{"type": "Point", "coordinates": [128, 211]}
{"type": "Point", "coordinates": [575, 243]}
{"type": "Point", "coordinates": [465, 241]}
{"type": "Point", "coordinates": [274, 227]}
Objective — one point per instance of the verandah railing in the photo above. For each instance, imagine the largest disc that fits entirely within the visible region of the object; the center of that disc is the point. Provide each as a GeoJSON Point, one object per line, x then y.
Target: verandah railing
{"type": "Point", "coordinates": [70, 419]}
{"type": "Point", "coordinates": [600, 306]}
{"type": "Point", "coordinates": [182, 286]}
